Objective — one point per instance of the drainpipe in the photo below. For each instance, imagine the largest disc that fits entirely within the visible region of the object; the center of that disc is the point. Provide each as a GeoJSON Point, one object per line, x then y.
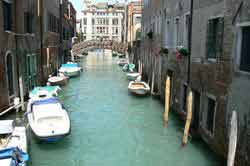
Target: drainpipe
{"type": "Point", "coordinates": [190, 94]}
{"type": "Point", "coordinates": [19, 74]}
{"type": "Point", "coordinates": [190, 40]}
{"type": "Point", "coordinates": [40, 15]}
{"type": "Point", "coordinates": [60, 32]}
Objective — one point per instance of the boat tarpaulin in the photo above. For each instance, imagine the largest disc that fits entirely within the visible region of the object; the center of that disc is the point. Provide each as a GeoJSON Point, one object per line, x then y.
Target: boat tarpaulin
{"type": "Point", "coordinates": [70, 65]}
{"type": "Point", "coordinates": [14, 153]}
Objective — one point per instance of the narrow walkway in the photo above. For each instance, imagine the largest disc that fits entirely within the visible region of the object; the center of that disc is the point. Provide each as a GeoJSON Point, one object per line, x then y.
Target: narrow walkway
{"type": "Point", "coordinates": [112, 128]}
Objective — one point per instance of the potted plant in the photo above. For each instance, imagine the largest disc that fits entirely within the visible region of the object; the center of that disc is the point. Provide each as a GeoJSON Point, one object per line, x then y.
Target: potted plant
{"type": "Point", "coordinates": [150, 34]}
{"type": "Point", "coordinates": [164, 51]}
{"type": "Point", "coordinates": [181, 52]}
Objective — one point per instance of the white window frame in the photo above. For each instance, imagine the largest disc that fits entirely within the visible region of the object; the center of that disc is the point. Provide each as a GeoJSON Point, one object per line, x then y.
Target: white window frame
{"type": "Point", "coordinates": [185, 31]}
{"type": "Point", "coordinates": [176, 35]}
{"type": "Point", "coordinates": [204, 116]}
{"type": "Point", "coordinates": [167, 37]}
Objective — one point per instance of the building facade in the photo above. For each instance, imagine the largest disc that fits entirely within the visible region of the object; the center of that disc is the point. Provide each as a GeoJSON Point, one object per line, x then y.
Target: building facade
{"type": "Point", "coordinates": [29, 46]}
{"type": "Point", "coordinates": [103, 21]}
{"type": "Point", "coordinates": [219, 65]}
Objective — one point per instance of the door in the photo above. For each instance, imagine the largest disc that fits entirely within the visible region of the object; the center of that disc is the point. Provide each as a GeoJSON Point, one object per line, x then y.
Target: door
{"type": "Point", "coordinates": [196, 111]}
{"type": "Point", "coordinates": [10, 72]}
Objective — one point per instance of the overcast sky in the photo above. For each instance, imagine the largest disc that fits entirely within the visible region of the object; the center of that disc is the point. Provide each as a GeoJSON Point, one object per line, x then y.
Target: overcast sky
{"type": "Point", "coordinates": [78, 4]}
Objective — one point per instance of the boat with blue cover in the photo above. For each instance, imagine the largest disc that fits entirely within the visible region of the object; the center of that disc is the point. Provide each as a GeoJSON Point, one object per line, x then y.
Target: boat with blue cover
{"type": "Point", "coordinates": [13, 144]}
{"type": "Point", "coordinates": [48, 119]}
{"type": "Point", "coordinates": [13, 157]}
{"type": "Point", "coordinates": [70, 69]}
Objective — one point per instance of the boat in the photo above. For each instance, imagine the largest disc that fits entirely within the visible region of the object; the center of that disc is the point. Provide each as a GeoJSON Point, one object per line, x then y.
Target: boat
{"type": "Point", "coordinates": [114, 54]}
{"type": "Point", "coordinates": [133, 76]}
{"type": "Point", "coordinates": [13, 144]}
{"type": "Point", "coordinates": [122, 62]}
{"type": "Point", "coordinates": [45, 90]}
{"type": "Point", "coordinates": [139, 88]}
{"type": "Point", "coordinates": [128, 68]}
{"type": "Point", "coordinates": [70, 69]}
{"type": "Point", "coordinates": [121, 55]}
{"type": "Point", "coordinates": [60, 80]}
{"type": "Point", "coordinates": [48, 119]}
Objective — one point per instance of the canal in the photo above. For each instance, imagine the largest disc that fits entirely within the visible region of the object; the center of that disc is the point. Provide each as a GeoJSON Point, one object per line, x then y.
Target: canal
{"type": "Point", "coordinates": [110, 127]}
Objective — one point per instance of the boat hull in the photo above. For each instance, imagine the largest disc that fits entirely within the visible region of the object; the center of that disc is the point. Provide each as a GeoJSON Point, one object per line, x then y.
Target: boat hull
{"type": "Point", "coordinates": [62, 82]}
{"type": "Point", "coordinates": [72, 73]}
{"type": "Point", "coordinates": [132, 76]}
{"type": "Point", "coordinates": [139, 91]}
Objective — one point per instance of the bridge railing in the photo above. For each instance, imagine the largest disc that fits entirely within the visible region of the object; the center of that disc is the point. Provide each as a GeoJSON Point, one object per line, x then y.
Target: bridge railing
{"type": "Point", "coordinates": [79, 48]}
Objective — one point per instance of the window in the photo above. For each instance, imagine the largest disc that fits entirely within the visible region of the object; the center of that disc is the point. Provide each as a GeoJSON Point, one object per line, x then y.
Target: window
{"type": "Point", "coordinates": [53, 23]}
{"type": "Point", "coordinates": [28, 22]}
{"type": "Point", "coordinates": [10, 74]}
{"type": "Point", "coordinates": [176, 31]}
{"type": "Point", "coordinates": [245, 50]}
{"type": "Point", "coordinates": [93, 21]}
{"type": "Point", "coordinates": [214, 43]}
{"type": "Point", "coordinates": [115, 21]}
{"type": "Point", "coordinates": [184, 98]}
{"type": "Point", "coordinates": [186, 29]}
{"type": "Point", "coordinates": [167, 33]}
{"type": "Point", "coordinates": [211, 107]}
{"type": "Point", "coordinates": [7, 15]}
{"type": "Point", "coordinates": [84, 21]}
{"type": "Point", "coordinates": [85, 30]}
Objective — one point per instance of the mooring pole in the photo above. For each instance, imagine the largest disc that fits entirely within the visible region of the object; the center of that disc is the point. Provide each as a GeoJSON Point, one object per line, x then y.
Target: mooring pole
{"type": "Point", "coordinates": [190, 96]}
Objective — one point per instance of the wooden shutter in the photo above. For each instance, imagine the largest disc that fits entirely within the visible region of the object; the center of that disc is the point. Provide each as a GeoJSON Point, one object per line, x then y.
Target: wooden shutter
{"type": "Point", "coordinates": [208, 40]}
{"type": "Point", "coordinates": [219, 37]}
{"type": "Point", "coordinates": [245, 50]}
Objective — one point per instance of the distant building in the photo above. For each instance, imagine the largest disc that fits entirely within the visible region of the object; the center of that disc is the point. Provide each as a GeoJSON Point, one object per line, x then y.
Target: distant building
{"type": "Point", "coordinates": [103, 21]}
{"type": "Point", "coordinates": [134, 18]}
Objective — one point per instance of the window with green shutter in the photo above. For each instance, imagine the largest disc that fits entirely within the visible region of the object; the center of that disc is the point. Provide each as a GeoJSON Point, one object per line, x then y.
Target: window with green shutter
{"type": "Point", "coordinates": [214, 45]}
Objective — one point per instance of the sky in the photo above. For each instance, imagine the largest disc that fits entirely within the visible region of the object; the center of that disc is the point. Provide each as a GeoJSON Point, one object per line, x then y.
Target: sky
{"type": "Point", "coordinates": [78, 4]}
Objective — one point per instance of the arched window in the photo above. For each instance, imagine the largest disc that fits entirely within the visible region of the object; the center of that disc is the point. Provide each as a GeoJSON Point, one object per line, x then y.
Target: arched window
{"type": "Point", "coordinates": [10, 73]}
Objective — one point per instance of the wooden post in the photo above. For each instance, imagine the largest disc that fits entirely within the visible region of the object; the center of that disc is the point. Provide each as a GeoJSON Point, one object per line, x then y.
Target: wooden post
{"type": "Point", "coordinates": [167, 101]}
{"type": "Point", "coordinates": [153, 83]}
{"type": "Point", "coordinates": [232, 140]}
{"type": "Point", "coordinates": [189, 118]}
{"type": "Point", "coordinates": [21, 92]}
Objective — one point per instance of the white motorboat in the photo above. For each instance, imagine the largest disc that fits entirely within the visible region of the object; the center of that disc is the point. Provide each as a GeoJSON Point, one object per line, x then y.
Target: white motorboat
{"type": "Point", "coordinates": [139, 88]}
{"type": "Point", "coordinates": [60, 80]}
{"type": "Point", "coordinates": [70, 69]}
{"type": "Point", "coordinates": [48, 120]}
{"type": "Point", "coordinates": [13, 144]}
{"type": "Point", "coordinates": [122, 62]}
{"type": "Point", "coordinates": [133, 76]}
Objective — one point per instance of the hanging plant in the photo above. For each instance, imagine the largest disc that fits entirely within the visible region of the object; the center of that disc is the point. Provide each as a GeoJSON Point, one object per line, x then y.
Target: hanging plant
{"type": "Point", "coordinates": [164, 51]}
{"type": "Point", "coordinates": [150, 34]}
{"type": "Point", "coordinates": [181, 52]}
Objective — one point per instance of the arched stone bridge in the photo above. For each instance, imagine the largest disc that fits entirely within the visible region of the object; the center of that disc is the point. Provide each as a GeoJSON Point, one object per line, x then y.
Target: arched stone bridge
{"type": "Point", "coordinates": [85, 46]}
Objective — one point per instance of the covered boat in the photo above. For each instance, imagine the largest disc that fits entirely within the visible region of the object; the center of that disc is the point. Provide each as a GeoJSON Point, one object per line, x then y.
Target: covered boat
{"type": "Point", "coordinates": [48, 120]}
{"type": "Point", "coordinates": [139, 88]}
{"type": "Point", "coordinates": [122, 62]}
{"type": "Point", "coordinates": [128, 68]}
{"type": "Point", "coordinates": [44, 91]}
{"type": "Point", "coordinates": [60, 80]}
{"type": "Point", "coordinates": [13, 144]}
{"type": "Point", "coordinates": [70, 69]}
{"type": "Point", "coordinates": [133, 76]}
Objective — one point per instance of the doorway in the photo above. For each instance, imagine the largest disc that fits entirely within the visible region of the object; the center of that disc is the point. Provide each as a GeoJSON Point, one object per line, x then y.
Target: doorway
{"type": "Point", "coordinates": [11, 78]}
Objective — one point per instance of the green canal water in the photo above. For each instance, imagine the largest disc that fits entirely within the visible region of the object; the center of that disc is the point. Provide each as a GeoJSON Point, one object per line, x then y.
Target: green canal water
{"type": "Point", "coordinates": [110, 127]}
